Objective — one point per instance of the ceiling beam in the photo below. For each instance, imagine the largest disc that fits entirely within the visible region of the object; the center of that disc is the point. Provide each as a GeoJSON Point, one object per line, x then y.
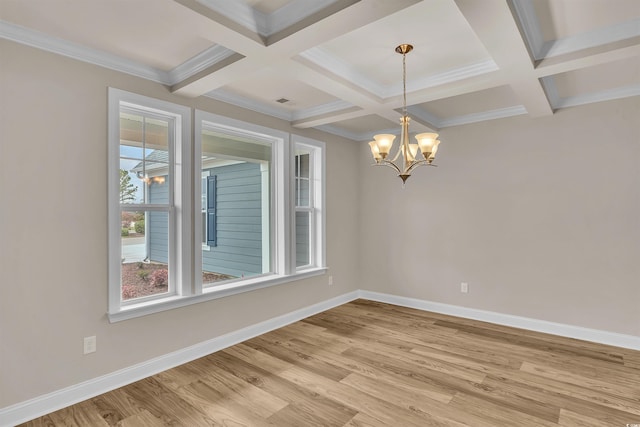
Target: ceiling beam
{"type": "Point", "coordinates": [496, 27]}
{"type": "Point", "coordinates": [259, 53]}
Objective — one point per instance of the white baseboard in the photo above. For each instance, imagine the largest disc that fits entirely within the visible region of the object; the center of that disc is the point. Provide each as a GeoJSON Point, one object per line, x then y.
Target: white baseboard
{"type": "Point", "coordinates": [33, 408]}
{"type": "Point", "coordinates": [569, 331]}
{"type": "Point", "coordinates": [45, 404]}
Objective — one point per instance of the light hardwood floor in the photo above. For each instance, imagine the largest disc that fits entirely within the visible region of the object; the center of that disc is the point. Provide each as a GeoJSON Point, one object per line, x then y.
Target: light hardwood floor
{"type": "Point", "coordinates": [372, 364]}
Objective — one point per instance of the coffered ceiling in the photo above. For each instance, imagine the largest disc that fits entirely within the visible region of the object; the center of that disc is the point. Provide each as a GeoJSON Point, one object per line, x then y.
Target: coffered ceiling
{"type": "Point", "coordinates": [331, 64]}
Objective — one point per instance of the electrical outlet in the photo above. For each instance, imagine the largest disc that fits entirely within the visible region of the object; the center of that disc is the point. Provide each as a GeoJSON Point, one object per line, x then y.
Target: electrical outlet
{"type": "Point", "coordinates": [464, 287]}
{"type": "Point", "coordinates": [330, 280]}
{"type": "Point", "coordinates": [89, 344]}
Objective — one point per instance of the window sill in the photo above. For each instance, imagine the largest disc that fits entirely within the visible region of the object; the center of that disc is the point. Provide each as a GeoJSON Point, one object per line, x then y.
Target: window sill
{"type": "Point", "coordinates": [211, 293]}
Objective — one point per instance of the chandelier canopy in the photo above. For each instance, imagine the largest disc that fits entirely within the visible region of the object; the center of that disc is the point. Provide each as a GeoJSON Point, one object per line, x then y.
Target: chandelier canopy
{"type": "Point", "coordinates": [427, 143]}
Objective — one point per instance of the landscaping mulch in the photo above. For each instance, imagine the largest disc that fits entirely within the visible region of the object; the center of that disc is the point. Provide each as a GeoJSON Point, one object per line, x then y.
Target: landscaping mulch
{"type": "Point", "coordinates": [136, 279]}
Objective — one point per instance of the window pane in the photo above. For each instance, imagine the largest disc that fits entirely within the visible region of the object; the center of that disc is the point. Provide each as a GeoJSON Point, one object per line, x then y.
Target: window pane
{"type": "Point", "coordinates": [240, 209]}
{"type": "Point", "coordinates": [302, 193]}
{"type": "Point", "coordinates": [144, 156]}
{"type": "Point", "coordinates": [144, 254]}
{"type": "Point", "coordinates": [302, 238]}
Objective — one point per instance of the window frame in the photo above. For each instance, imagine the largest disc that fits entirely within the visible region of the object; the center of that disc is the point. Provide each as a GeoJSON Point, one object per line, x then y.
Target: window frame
{"type": "Point", "coordinates": [316, 208]}
{"type": "Point", "coordinates": [186, 211]}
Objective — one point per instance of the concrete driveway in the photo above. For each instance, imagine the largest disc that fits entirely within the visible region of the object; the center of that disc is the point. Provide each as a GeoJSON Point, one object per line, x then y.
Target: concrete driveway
{"type": "Point", "coordinates": [133, 249]}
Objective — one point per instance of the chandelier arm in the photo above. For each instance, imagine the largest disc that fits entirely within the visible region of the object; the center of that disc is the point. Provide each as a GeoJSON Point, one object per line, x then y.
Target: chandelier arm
{"type": "Point", "coordinates": [417, 163]}
{"type": "Point", "coordinates": [397, 153]}
{"type": "Point", "coordinates": [388, 163]}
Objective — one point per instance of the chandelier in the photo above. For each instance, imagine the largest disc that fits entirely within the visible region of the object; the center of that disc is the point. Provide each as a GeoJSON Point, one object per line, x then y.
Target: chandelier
{"type": "Point", "coordinates": [427, 143]}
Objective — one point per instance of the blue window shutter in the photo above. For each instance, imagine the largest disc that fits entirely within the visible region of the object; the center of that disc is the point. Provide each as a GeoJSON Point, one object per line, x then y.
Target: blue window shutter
{"type": "Point", "coordinates": [211, 210]}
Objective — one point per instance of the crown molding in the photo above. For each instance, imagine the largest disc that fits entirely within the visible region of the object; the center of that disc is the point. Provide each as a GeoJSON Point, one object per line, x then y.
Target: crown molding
{"type": "Point", "coordinates": [343, 133]}
{"type": "Point", "coordinates": [605, 95]}
{"type": "Point", "coordinates": [293, 12]}
{"type": "Point", "coordinates": [424, 116]}
{"type": "Point", "coordinates": [100, 58]}
{"type": "Point", "coordinates": [529, 26]}
{"type": "Point", "coordinates": [76, 51]}
{"type": "Point", "coordinates": [541, 49]}
{"type": "Point", "coordinates": [449, 76]}
{"type": "Point", "coordinates": [328, 108]}
{"type": "Point", "coordinates": [253, 105]}
{"type": "Point", "coordinates": [589, 39]}
{"type": "Point", "coordinates": [326, 61]}
{"type": "Point", "coordinates": [550, 88]}
{"type": "Point", "coordinates": [240, 12]}
{"type": "Point", "coordinates": [200, 62]}
{"type": "Point", "coordinates": [266, 24]}
{"type": "Point", "coordinates": [499, 113]}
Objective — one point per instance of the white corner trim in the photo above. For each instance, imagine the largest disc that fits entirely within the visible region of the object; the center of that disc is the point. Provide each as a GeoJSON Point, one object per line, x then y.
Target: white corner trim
{"type": "Point", "coordinates": [560, 329]}
{"type": "Point", "coordinates": [42, 405]}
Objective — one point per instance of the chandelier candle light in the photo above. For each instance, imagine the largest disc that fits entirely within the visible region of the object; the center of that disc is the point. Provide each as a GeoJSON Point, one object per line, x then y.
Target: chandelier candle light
{"type": "Point", "coordinates": [427, 142]}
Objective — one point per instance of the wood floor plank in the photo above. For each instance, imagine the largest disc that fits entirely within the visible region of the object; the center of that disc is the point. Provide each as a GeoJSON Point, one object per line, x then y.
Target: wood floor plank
{"type": "Point", "coordinates": [141, 419]}
{"type": "Point", "coordinates": [165, 404]}
{"type": "Point", "coordinates": [303, 403]}
{"type": "Point", "coordinates": [357, 367]}
{"type": "Point", "coordinates": [116, 406]}
{"type": "Point", "coordinates": [79, 415]}
{"type": "Point", "coordinates": [370, 364]}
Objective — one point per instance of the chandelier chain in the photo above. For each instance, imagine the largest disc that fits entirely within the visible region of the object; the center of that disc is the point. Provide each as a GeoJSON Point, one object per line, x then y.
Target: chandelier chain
{"type": "Point", "coordinates": [404, 84]}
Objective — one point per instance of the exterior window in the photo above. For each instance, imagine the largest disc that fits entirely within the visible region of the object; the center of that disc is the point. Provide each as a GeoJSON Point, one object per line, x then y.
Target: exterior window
{"type": "Point", "coordinates": [239, 167]}
{"type": "Point", "coordinates": [248, 214]}
{"type": "Point", "coordinates": [308, 204]}
{"type": "Point", "coordinates": [144, 139]}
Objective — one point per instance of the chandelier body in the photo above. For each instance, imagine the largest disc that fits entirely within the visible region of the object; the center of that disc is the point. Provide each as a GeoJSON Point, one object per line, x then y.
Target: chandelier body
{"type": "Point", "coordinates": [427, 143]}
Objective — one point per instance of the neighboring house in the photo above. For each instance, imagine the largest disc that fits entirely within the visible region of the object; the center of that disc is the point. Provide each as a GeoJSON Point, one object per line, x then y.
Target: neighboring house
{"type": "Point", "coordinates": [235, 214]}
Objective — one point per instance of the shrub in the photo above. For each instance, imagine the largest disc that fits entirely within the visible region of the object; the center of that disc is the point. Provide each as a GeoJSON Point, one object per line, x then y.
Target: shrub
{"type": "Point", "coordinates": [143, 274]}
{"type": "Point", "coordinates": [124, 232]}
{"type": "Point", "coordinates": [160, 277]}
{"type": "Point", "coordinates": [129, 291]}
{"type": "Point", "coordinates": [139, 226]}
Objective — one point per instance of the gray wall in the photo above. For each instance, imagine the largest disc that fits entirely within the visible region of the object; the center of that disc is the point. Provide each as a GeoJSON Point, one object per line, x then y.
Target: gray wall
{"type": "Point", "coordinates": [541, 217]}
{"type": "Point", "coordinates": [54, 272]}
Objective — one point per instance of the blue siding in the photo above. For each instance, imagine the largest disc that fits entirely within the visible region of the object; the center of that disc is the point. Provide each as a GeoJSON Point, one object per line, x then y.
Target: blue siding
{"type": "Point", "coordinates": [238, 250]}
{"type": "Point", "coordinates": [239, 222]}
{"type": "Point", "coordinates": [158, 224]}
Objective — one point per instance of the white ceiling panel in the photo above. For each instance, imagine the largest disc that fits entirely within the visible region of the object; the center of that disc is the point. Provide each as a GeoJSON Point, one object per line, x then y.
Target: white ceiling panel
{"type": "Point", "coordinates": [158, 33]}
{"type": "Point", "coordinates": [474, 102]}
{"type": "Point", "coordinates": [588, 80]}
{"type": "Point", "coordinates": [334, 60]}
{"type": "Point", "coordinates": [442, 40]}
{"type": "Point", "coordinates": [565, 18]}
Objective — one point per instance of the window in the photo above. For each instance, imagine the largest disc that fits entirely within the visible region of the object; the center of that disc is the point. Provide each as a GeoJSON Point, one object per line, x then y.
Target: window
{"type": "Point", "coordinates": [250, 207]}
{"type": "Point", "coordinates": [308, 194]}
{"type": "Point", "coordinates": [241, 159]}
{"type": "Point", "coordinates": [145, 137]}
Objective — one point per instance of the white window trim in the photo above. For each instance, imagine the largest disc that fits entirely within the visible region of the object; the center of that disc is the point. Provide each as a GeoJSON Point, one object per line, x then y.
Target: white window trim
{"type": "Point", "coordinates": [179, 209]}
{"type": "Point", "coordinates": [188, 280]}
{"type": "Point", "coordinates": [317, 180]}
